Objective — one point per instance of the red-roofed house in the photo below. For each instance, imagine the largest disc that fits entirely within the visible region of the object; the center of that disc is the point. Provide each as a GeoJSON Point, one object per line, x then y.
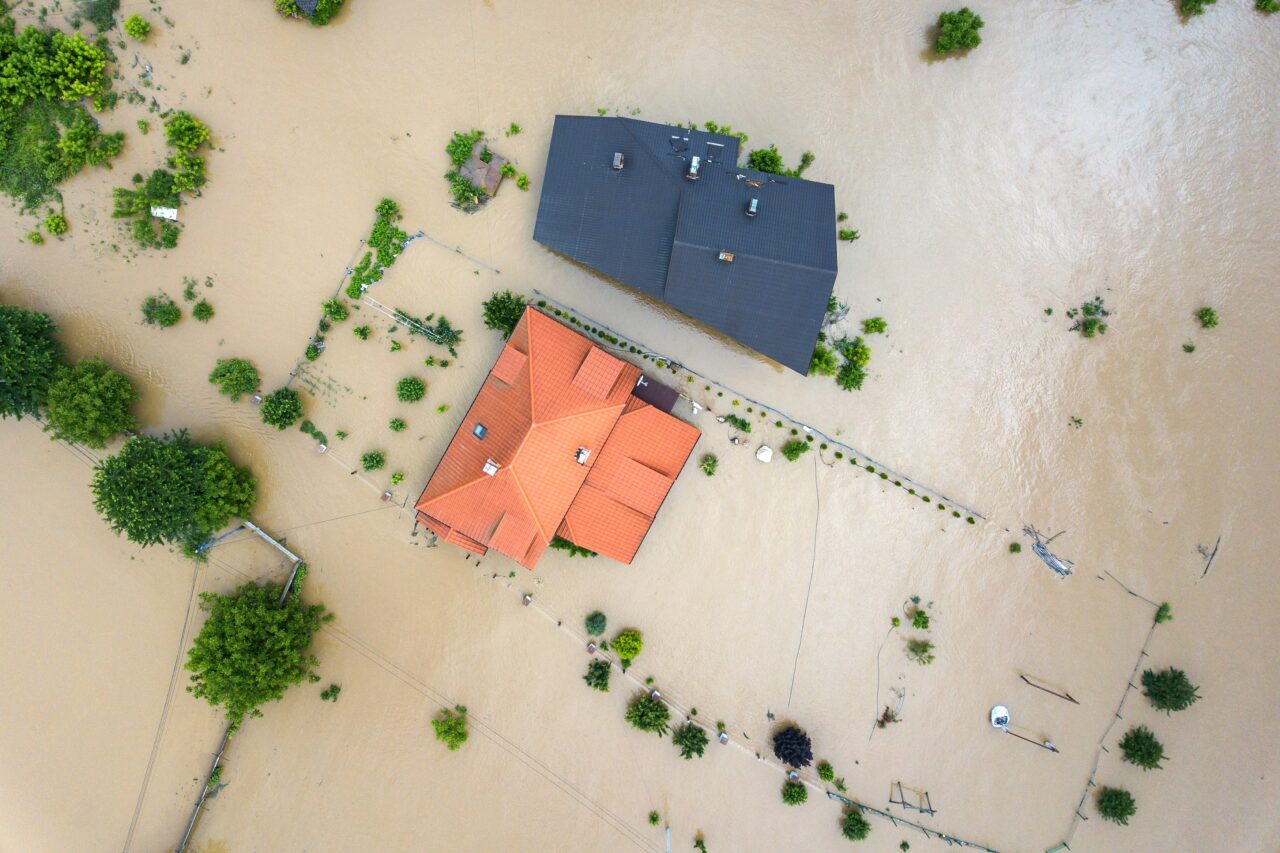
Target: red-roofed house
{"type": "Point", "coordinates": [555, 444]}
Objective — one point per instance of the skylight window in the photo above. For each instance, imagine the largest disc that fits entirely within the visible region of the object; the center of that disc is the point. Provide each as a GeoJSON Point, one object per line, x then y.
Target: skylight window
{"type": "Point", "coordinates": [479, 430]}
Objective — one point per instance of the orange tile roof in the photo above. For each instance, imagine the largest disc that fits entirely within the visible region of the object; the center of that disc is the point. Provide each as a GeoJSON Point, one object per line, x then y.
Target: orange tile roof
{"type": "Point", "coordinates": [551, 392]}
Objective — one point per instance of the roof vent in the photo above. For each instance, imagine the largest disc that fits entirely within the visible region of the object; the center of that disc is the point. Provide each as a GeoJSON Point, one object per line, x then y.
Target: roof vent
{"type": "Point", "coordinates": [490, 467]}
{"type": "Point", "coordinates": [581, 456]}
{"type": "Point", "coordinates": [727, 257]}
{"type": "Point", "coordinates": [617, 161]}
{"type": "Point", "coordinates": [694, 163]}
{"type": "Point", "coordinates": [753, 207]}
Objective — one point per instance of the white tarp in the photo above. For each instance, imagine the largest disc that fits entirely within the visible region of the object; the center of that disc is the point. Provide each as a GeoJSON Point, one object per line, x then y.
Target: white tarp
{"type": "Point", "coordinates": [165, 213]}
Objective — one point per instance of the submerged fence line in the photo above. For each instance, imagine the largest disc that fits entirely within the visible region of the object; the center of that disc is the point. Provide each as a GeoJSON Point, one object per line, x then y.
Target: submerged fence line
{"type": "Point", "coordinates": [675, 363]}
{"type": "Point", "coordinates": [928, 833]}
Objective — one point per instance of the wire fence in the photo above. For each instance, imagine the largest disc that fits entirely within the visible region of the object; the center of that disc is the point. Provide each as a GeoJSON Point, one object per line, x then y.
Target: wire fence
{"type": "Point", "coordinates": [950, 840]}
{"type": "Point", "coordinates": [647, 352]}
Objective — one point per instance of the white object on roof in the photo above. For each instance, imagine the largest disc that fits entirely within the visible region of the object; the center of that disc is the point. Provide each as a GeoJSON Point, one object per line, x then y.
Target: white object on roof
{"type": "Point", "coordinates": [170, 213]}
{"type": "Point", "coordinates": [1000, 717]}
{"type": "Point", "coordinates": [765, 453]}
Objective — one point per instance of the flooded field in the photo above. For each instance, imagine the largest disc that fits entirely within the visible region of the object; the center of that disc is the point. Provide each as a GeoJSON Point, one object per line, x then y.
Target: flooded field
{"type": "Point", "coordinates": [1085, 149]}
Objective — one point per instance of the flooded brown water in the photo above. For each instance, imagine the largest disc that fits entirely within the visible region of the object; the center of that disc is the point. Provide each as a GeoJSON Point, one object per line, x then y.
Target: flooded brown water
{"type": "Point", "coordinates": [1085, 149]}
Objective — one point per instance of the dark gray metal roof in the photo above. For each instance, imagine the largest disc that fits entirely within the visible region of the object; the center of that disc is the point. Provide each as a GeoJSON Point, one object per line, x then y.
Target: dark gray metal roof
{"type": "Point", "coordinates": [649, 227]}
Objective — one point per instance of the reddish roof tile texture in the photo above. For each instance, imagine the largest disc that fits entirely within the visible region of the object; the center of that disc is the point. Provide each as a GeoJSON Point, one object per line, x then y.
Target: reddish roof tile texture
{"type": "Point", "coordinates": [551, 393]}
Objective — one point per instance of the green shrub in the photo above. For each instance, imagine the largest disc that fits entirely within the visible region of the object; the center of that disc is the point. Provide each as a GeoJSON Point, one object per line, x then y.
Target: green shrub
{"type": "Point", "coordinates": [330, 694]}
{"type": "Point", "coordinates": [628, 645]}
{"type": "Point", "coordinates": [559, 543]}
{"type": "Point", "coordinates": [396, 425]}
{"type": "Point", "coordinates": [957, 31]}
{"type": "Point", "coordinates": [1164, 613]}
{"type": "Point", "coordinates": [1188, 347]}
{"type": "Point", "coordinates": [794, 449]}
{"type": "Point", "coordinates": [373, 460]}
{"type": "Point", "coordinates": [89, 404]}
{"type": "Point", "coordinates": [459, 147]}
{"type": "Point", "coordinates": [522, 182]}
{"type": "Point", "coordinates": [740, 424]}
{"type": "Point", "coordinates": [55, 223]}
{"type": "Point", "coordinates": [361, 332]}
{"type": "Point", "coordinates": [708, 464]}
{"type": "Point", "coordinates": [35, 238]}
{"type": "Point", "coordinates": [160, 311]}
{"type": "Point", "coordinates": [170, 489]}
{"type": "Point", "coordinates": [691, 739]}
{"type": "Point", "coordinates": [920, 621]}
{"type": "Point", "coordinates": [137, 27]}
{"type": "Point", "coordinates": [648, 714]}
{"type": "Point", "coordinates": [920, 651]}
{"type": "Point", "coordinates": [853, 372]}
{"type": "Point", "coordinates": [1169, 689]}
{"type": "Point", "coordinates": [825, 771]}
{"type": "Point", "coordinates": [281, 408]}
{"type": "Point", "coordinates": [848, 235]}
{"type": "Point", "coordinates": [874, 326]}
{"type": "Point", "coordinates": [252, 648]}
{"type": "Point", "coordinates": [1116, 805]}
{"type": "Point", "coordinates": [410, 389]}
{"type": "Point", "coordinates": [855, 827]}
{"type": "Point", "coordinates": [1207, 316]}
{"type": "Point", "coordinates": [1268, 6]}
{"type": "Point", "coordinates": [30, 357]}
{"type": "Point", "coordinates": [502, 311]}
{"type": "Point", "coordinates": [202, 311]}
{"type": "Point", "coordinates": [654, 818]}
{"type": "Point", "coordinates": [335, 310]}
{"type": "Point", "coordinates": [1089, 318]}
{"type": "Point", "coordinates": [185, 132]}
{"type": "Point", "coordinates": [823, 361]}
{"type": "Point", "coordinates": [1194, 7]}
{"type": "Point", "coordinates": [514, 129]}
{"type": "Point", "coordinates": [1140, 747]}
{"type": "Point", "coordinates": [451, 727]}
{"type": "Point", "coordinates": [595, 624]}
{"type": "Point", "coordinates": [1015, 548]}
{"type": "Point", "coordinates": [597, 676]}
{"type": "Point", "coordinates": [794, 793]}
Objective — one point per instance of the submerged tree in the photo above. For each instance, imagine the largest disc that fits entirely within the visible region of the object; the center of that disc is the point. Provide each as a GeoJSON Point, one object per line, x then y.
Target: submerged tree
{"type": "Point", "coordinates": [89, 404]}
{"type": "Point", "coordinates": [1116, 805]}
{"type": "Point", "coordinates": [1140, 747]}
{"type": "Point", "coordinates": [794, 793]}
{"type": "Point", "coordinates": [793, 747]}
{"type": "Point", "coordinates": [691, 739]}
{"type": "Point", "coordinates": [451, 727]}
{"type": "Point", "coordinates": [855, 827]}
{"type": "Point", "coordinates": [281, 408]}
{"type": "Point", "coordinates": [503, 311]}
{"type": "Point", "coordinates": [252, 647]}
{"type": "Point", "coordinates": [235, 376]}
{"type": "Point", "coordinates": [171, 489]}
{"type": "Point", "coordinates": [628, 645]}
{"type": "Point", "coordinates": [1169, 689]}
{"type": "Point", "coordinates": [597, 676]}
{"type": "Point", "coordinates": [29, 357]}
{"type": "Point", "coordinates": [648, 714]}
{"type": "Point", "coordinates": [958, 31]}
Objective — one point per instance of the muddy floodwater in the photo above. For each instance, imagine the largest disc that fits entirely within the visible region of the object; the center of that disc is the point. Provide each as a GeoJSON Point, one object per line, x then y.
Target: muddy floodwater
{"type": "Point", "coordinates": [1085, 149]}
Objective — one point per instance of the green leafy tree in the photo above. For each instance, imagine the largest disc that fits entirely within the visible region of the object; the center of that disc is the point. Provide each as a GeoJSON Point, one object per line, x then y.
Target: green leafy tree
{"type": "Point", "coordinates": [55, 223]}
{"type": "Point", "coordinates": [281, 408]}
{"type": "Point", "coordinates": [503, 311]}
{"type": "Point", "coordinates": [185, 132]}
{"type": "Point", "coordinates": [957, 31]}
{"type": "Point", "coordinates": [235, 376]}
{"type": "Point", "coordinates": [137, 27]}
{"type": "Point", "coordinates": [648, 714]}
{"type": "Point", "coordinates": [451, 727]}
{"type": "Point", "coordinates": [766, 160]}
{"type": "Point", "coordinates": [410, 389]}
{"type": "Point", "coordinates": [202, 311]}
{"type": "Point", "coordinates": [1141, 747]}
{"type": "Point", "coordinates": [628, 645]}
{"type": "Point", "coordinates": [794, 793]}
{"type": "Point", "coordinates": [794, 449]}
{"type": "Point", "coordinates": [29, 359]}
{"type": "Point", "coordinates": [823, 362]}
{"type": "Point", "coordinates": [825, 771]}
{"type": "Point", "coordinates": [373, 460]}
{"type": "Point", "coordinates": [171, 489]}
{"type": "Point", "coordinates": [691, 739]}
{"type": "Point", "coordinates": [1116, 805]}
{"type": "Point", "coordinates": [597, 676]}
{"type": "Point", "coordinates": [874, 326]}
{"type": "Point", "coordinates": [397, 425]}
{"type": "Point", "coordinates": [1169, 689]}
{"type": "Point", "coordinates": [336, 310]}
{"type": "Point", "coordinates": [1207, 316]}
{"type": "Point", "coordinates": [89, 404]}
{"type": "Point", "coordinates": [855, 827]}
{"type": "Point", "coordinates": [853, 372]}
{"type": "Point", "coordinates": [1268, 6]}
{"type": "Point", "coordinates": [595, 624]}
{"type": "Point", "coordinates": [252, 648]}
{"type": "Point", "coordinates": [708, 463]}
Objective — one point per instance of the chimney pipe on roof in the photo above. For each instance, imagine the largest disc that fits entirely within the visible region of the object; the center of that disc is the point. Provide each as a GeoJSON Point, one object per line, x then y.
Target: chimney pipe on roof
{"type": "Point", "coordinates": [692, 174]}
{"type": "Point", "coordinates": [753, 207]}
{"type": "Point", "coordinates": [617, 161]}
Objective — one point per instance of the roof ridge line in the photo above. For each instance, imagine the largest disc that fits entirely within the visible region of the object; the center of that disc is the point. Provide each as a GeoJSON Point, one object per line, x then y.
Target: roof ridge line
{"type": "Point", "coordinates": [749, 254]}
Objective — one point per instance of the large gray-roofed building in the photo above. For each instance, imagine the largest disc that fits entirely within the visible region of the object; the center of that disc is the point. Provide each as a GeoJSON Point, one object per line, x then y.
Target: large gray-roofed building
{"type": "Point", "coordinates": [763, 279]}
